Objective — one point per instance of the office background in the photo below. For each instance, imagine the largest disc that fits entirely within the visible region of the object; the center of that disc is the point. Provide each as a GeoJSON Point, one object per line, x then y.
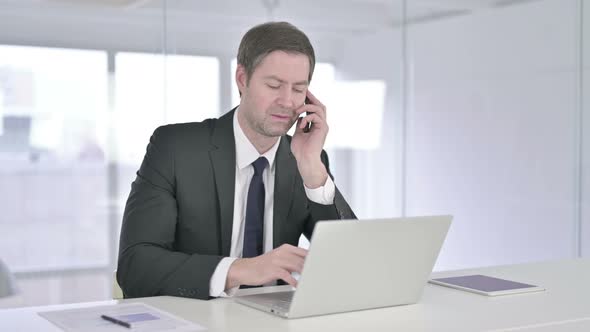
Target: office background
{"type": "Point", "coordinates": [473, 108]}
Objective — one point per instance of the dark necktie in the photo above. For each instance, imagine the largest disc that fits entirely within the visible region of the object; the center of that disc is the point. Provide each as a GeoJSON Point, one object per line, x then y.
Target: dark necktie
{"type": "Point", "coordinates": [254, 229]}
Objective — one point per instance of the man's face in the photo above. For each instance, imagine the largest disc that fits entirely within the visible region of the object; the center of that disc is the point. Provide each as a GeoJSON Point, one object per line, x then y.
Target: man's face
{"type": "Point", "coordinates": [276, 89]}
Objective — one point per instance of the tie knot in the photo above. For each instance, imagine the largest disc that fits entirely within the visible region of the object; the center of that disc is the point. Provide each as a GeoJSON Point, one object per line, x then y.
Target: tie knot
{"type": "Point", "coordinates": [259, 165]}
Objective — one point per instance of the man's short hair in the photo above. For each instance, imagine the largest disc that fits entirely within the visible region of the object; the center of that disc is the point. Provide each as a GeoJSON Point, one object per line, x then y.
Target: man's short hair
{"type": "Point", "coordinates": [265, 38]}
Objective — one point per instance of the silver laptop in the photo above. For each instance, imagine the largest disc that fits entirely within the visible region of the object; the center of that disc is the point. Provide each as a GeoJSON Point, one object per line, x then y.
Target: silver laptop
{"type": "Point", "coordinates": [355, 265]}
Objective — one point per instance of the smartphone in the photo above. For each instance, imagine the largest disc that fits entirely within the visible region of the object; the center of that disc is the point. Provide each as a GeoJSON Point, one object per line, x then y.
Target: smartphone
{"type": "Point", "coordinates": [307, 128]}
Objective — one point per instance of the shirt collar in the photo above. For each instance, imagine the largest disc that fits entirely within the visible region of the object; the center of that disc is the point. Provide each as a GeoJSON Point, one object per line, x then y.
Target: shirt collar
{"type": "Point", "coordinates": [246, 153]}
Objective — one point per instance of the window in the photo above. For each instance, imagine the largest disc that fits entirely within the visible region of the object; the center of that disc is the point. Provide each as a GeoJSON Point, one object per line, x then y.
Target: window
{"type": "Point", "coordinates": [153, 90]}
{"type": "Point", "coordinates": [52, 148]}
{"type": "Point", "coordinates": [67, 158]}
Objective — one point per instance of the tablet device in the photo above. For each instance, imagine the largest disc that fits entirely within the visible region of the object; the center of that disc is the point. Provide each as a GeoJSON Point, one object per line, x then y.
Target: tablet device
{"type": "Point", "coordinates": [485, 285]}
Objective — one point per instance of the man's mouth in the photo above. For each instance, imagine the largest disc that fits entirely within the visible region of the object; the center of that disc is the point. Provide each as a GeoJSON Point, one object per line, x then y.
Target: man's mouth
{"type": "Point", "coordinates": [281, 117]}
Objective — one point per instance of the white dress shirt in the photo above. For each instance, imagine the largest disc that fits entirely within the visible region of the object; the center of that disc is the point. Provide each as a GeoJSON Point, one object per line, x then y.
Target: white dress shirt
{"type": "Point", "coordinates": [246, 154]}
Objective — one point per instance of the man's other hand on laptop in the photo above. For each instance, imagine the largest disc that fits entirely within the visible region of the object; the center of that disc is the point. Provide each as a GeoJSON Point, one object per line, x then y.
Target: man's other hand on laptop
{"type": "Point", "coordinates": [273, 265]}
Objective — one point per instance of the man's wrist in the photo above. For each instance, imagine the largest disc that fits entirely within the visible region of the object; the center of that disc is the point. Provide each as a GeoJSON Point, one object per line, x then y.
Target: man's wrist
{"type": "Point", "coordinates": [218, 280]}
{"type": "Point", "coordinates": [314, 174]}
{"type": "Point", "coordinates": [322, 195]}
{"type": "Point", "coordinates": [233, 274]}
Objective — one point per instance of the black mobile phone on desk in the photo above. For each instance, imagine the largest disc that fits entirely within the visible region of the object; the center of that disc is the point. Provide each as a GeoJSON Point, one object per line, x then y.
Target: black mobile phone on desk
{"type": "Point", "coordinates": [307, 128]}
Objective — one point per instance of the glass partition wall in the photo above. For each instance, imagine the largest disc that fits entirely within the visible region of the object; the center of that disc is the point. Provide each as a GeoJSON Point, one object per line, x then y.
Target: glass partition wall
{"type": "Point", "coordinates": [494, 130]}
{"type": "Point", "coordinates": [475, 109]}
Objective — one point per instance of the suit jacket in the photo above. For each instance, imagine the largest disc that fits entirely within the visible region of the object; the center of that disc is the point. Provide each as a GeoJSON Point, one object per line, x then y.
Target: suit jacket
{"type": "Point", "coordinates": [177, 223]}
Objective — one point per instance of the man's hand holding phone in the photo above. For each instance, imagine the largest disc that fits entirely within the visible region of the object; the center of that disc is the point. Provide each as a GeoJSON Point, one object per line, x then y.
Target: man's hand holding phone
{"type": "Point", "coordinates": [307, 144]}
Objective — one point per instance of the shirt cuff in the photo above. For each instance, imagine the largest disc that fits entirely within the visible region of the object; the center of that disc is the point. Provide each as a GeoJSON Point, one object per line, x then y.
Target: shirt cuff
{"type": "Point", "coordinates": [219, 277]}
{"type": "Point", "coordinates": [322, 195]}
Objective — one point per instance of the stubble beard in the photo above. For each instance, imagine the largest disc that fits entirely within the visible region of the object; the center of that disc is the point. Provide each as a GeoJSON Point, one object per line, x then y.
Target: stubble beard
{"type": "Point", "coordinates": [266, 128]}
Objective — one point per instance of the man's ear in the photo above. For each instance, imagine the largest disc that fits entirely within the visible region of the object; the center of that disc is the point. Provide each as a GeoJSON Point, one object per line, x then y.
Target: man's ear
{"type": "Point", "coordinates": [241, 78]}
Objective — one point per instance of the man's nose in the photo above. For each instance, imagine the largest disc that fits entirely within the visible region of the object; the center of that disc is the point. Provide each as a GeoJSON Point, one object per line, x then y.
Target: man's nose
{"type": "Point", "coordinates": [285, 98]}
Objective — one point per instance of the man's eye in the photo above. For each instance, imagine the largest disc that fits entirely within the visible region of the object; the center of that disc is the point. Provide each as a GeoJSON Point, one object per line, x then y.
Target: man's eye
{"type": "Point", "coordinates": [298, 90]}
{"type": "Point", "coordinates": [273, 86]}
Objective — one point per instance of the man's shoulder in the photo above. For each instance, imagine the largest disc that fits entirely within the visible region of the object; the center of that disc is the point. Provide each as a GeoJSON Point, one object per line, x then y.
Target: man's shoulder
{"type": "Point", "coordinates": [194, 130]}
{"type": "Point", "coordinates": [182, 133]}
{"type": "Point", "coordinates": [186, 128]}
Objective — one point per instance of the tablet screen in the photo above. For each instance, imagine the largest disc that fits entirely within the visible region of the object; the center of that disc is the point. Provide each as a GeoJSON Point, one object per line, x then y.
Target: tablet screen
{"type": "Point", "coordinates": [484, 283]}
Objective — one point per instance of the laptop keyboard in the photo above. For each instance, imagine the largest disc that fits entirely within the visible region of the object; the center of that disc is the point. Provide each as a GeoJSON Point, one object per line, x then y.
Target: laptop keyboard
{"type": "Point", "coordinates": [280, 300]}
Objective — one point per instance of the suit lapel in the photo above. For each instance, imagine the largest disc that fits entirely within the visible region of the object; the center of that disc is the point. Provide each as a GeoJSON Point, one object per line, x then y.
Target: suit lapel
{"type": "Point", "coordinates": [223, 163]}
{"type": "Point", "coordinates": [285, 172]}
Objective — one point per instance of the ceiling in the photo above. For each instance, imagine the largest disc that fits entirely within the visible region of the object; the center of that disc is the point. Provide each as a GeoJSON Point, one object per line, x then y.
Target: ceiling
{"type": "Point", "coordinates": [211, 24]}
{"type": "Point", "coordinates": [364, 14]}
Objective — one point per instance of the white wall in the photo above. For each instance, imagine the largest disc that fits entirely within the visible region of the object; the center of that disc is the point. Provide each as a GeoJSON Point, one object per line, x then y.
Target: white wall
{"type": "Point", "coordinates": [492, 132]}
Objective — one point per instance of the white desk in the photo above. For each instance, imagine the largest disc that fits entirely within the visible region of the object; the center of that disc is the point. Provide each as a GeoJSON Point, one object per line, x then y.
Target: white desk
{"type": "Point", "coordinates": [565, 306]}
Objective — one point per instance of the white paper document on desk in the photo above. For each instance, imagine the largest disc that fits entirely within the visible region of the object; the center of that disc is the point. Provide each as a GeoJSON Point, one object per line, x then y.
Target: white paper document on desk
{"type": "Point", "coordinates": [140, 317]}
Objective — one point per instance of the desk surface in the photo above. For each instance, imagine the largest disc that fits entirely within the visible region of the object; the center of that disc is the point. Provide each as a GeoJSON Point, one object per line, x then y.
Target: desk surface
{"type": "Point", "coordinates": [565, 306]}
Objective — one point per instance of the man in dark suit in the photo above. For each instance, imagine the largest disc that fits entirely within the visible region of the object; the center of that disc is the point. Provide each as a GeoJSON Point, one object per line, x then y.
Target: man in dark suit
{"type": "Point", "coordinates": [221, 203]}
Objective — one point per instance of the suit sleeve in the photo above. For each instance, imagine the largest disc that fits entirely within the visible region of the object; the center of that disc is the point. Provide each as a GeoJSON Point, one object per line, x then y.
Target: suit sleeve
{"type": "Point", "coordinates": [148, 263]}
{"type": "Point", "coordinates": [339, 210]}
